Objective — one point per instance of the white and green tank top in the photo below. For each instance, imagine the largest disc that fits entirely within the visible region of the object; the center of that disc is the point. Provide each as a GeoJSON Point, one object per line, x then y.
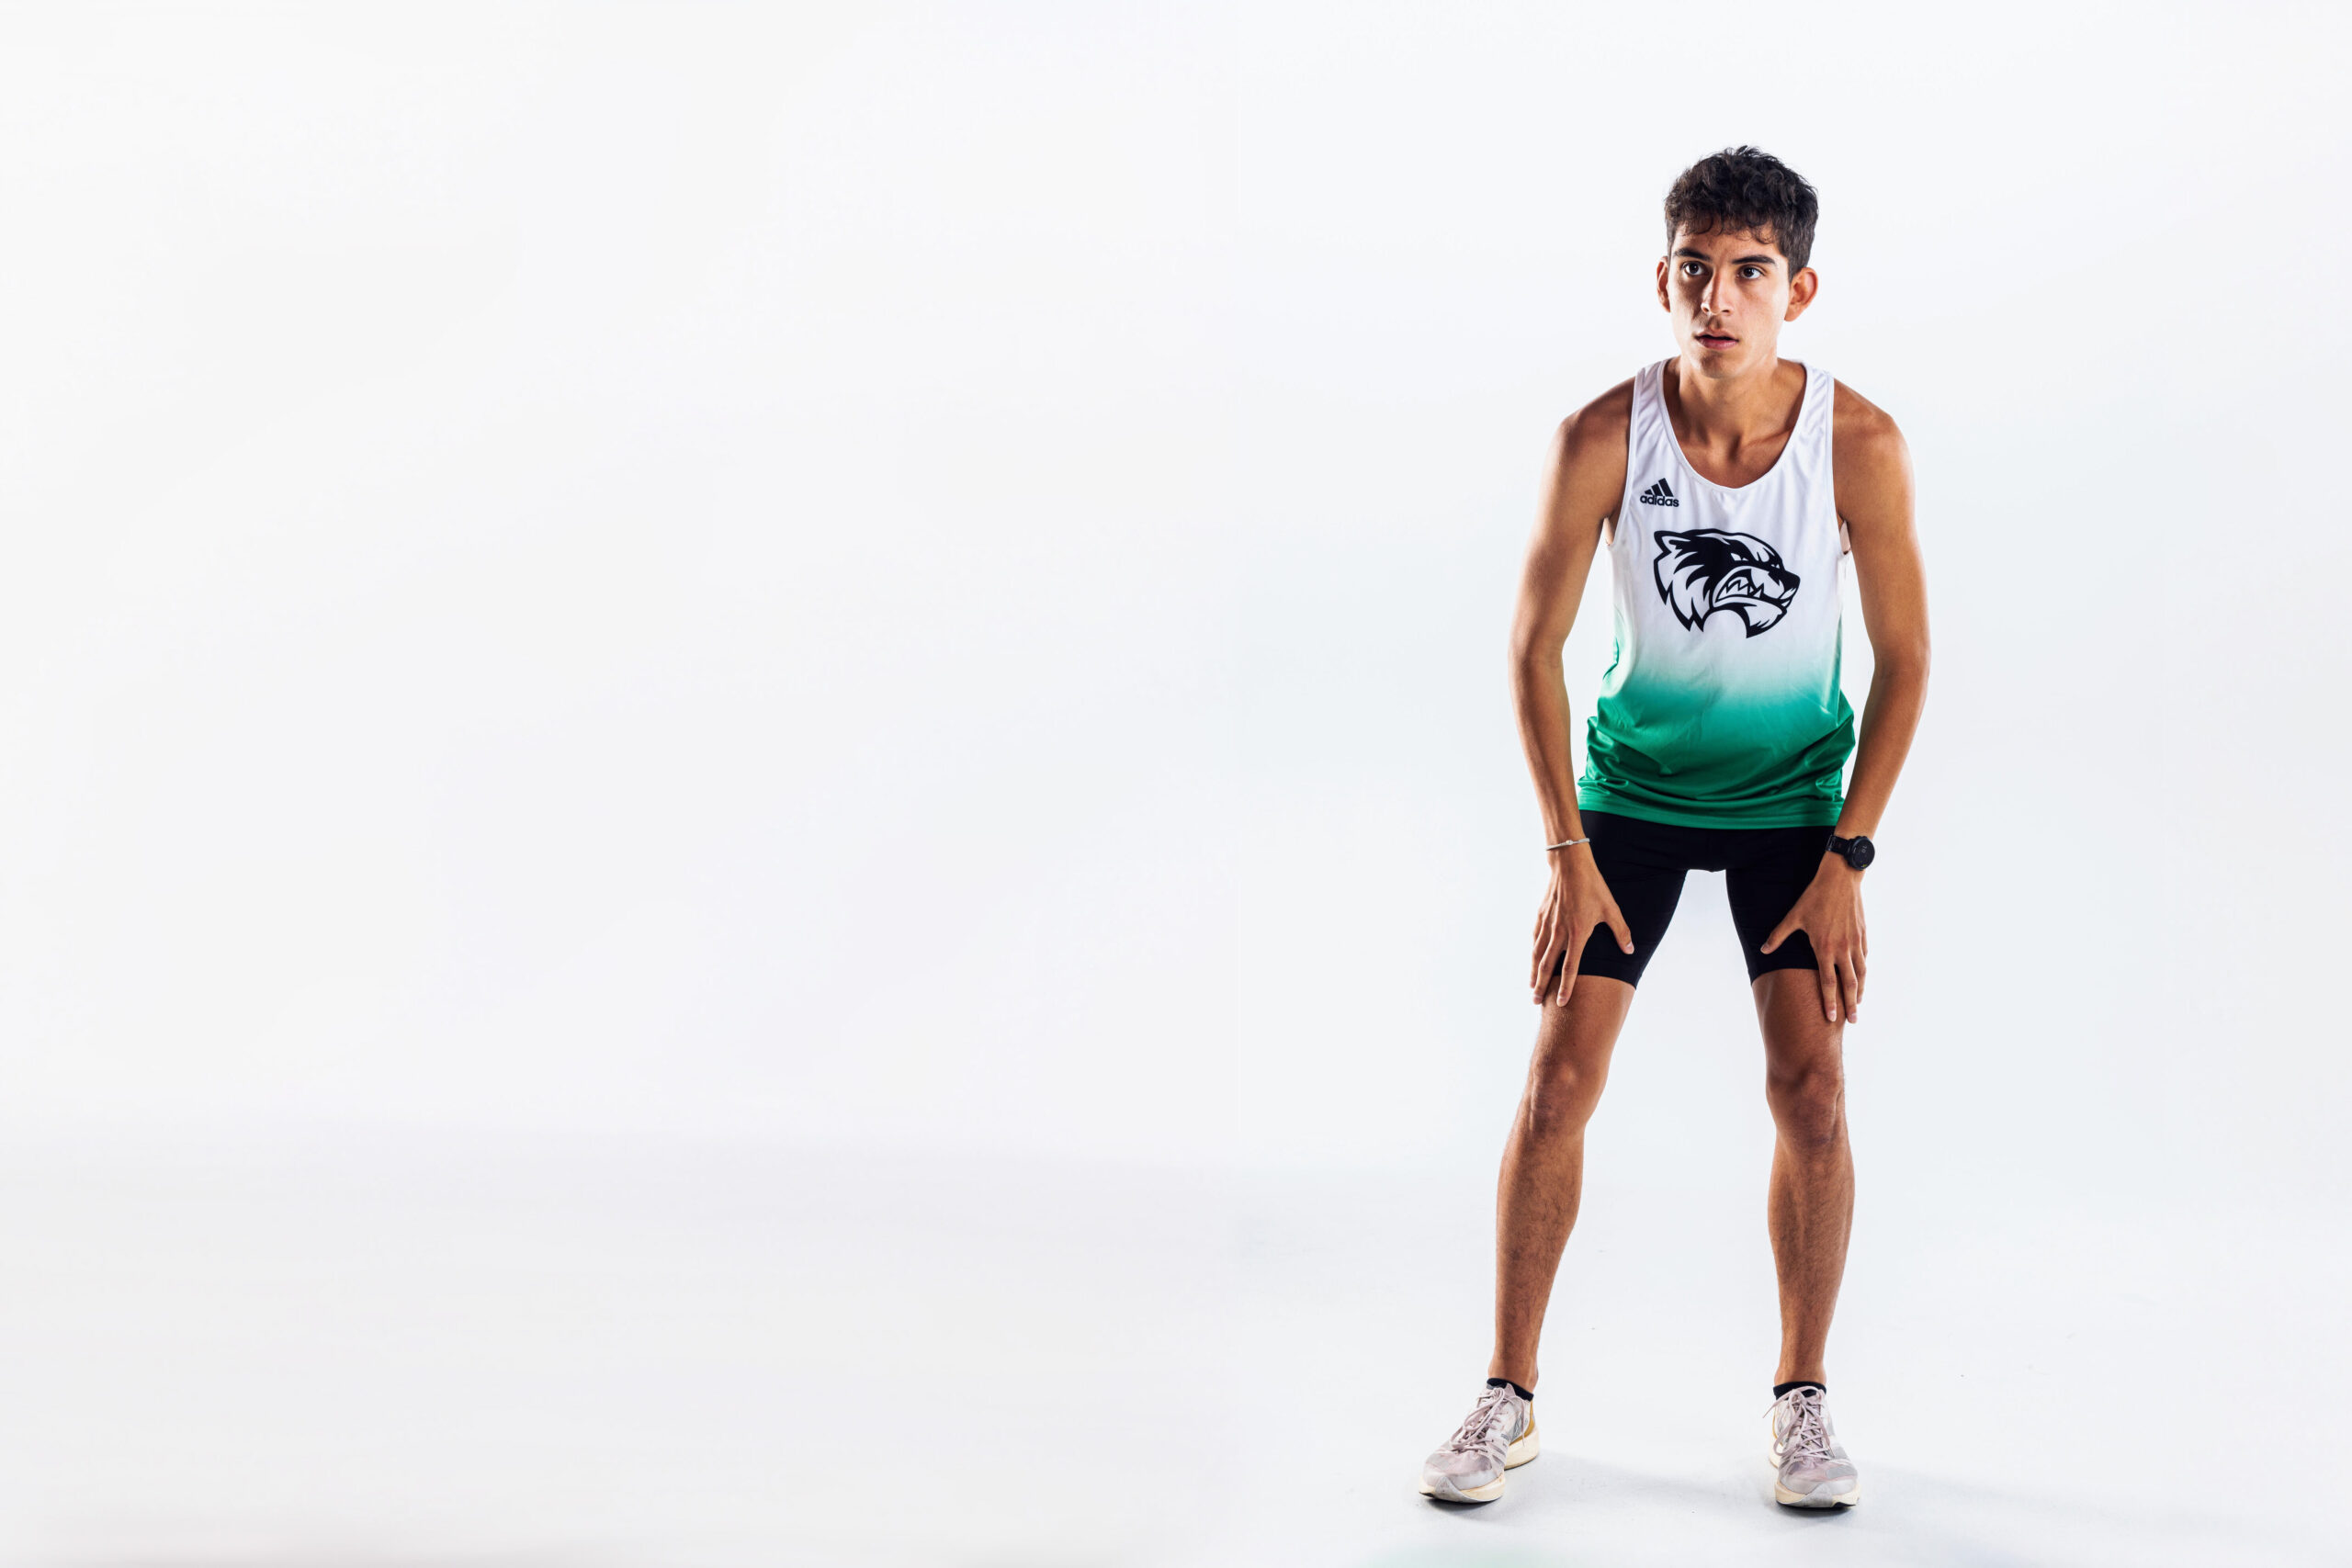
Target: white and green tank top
{"type": "Point", "coordinates": [1722, 707]}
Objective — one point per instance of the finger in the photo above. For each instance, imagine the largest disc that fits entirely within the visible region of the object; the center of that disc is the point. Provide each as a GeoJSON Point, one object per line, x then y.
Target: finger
{"type": "Point", "coordinates": [1546, 965]}
{"type": "Point", "coordinates": [1780, 933]}
{"type": "Point", "coordinates": [1850, 981]}
{"type": "Point", "coordinates": [1826, 974]}
{"type": "Point", "coordinates": [1624, 932]}
{"type": "Point", "coordinates": [1571, 960]}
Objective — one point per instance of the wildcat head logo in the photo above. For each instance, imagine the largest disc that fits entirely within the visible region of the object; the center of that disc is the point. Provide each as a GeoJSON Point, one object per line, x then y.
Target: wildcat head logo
{"type": "Point", "coordinates": [1707, 570]}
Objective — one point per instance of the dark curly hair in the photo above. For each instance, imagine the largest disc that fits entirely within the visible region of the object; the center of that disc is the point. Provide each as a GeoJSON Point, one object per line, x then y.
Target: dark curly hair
{"type": "Point", "coordinates": [1741, 187]}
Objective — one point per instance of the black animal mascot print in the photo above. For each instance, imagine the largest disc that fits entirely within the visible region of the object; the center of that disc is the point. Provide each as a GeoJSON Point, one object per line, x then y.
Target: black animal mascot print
{"type": "Point", "coordinates": [1707, 570]}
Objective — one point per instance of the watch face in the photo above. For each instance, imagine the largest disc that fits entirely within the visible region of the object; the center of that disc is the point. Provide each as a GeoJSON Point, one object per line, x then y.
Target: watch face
{"type": "Point", "coordinates": [1861, 854]}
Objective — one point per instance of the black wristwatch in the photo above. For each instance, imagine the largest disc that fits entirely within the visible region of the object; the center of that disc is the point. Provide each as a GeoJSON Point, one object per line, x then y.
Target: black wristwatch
{"type": "Point", "coordinates": [1856, 851]}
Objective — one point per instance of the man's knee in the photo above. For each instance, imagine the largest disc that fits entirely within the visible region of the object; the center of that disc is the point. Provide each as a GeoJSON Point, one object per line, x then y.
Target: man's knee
{"type": "Point", "coordinates": [1559, 1102]}
{"type": "Point", "coordinates": [1808, 1103]}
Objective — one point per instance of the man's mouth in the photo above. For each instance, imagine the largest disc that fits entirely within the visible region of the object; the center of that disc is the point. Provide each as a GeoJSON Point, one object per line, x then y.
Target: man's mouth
{"type": "Point", "coordinates": [1716, 340]}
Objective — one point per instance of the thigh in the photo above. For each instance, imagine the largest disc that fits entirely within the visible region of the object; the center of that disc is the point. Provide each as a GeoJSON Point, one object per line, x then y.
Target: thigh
{"type": "Point", "coordinates": [1804, 1057]}
{"type": "Point", "coordinates": [1644, 864]}
{"type": "Point", "coordinates": [1573, 1045]}
{"type": "Point", "coordinates": [1763, 883]}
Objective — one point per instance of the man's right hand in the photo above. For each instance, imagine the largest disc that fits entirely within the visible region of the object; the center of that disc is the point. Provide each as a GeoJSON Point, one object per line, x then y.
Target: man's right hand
{"type": "Point", "coordinates": [1577, 901]}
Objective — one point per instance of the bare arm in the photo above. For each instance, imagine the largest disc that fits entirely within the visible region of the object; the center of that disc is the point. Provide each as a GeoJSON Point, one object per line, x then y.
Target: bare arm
{"type": "Point", "coordinates": [1875, 496]}
{"type": "Point", "coordinates": [1586, 481]}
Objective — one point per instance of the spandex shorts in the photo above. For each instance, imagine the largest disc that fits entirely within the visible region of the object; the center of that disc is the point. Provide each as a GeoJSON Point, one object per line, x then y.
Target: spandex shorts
{"type": "Point", "coordinates": [1766, 871]}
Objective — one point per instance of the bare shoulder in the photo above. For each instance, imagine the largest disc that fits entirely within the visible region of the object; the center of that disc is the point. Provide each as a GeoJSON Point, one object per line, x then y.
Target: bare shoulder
{"type": "Point", "coordinates": [1863, 437]}
{"type": "Point", "coordinates": [1589, 460]}
{"type": "Point", "coordinates": [1599, 428]}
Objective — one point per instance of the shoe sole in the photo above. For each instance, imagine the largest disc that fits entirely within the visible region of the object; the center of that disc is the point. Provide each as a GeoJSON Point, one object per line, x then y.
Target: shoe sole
{"type": "Point", "coordinates": [1526, 1448]}
{"type": "Point", "coordinates": [1815, 1499]}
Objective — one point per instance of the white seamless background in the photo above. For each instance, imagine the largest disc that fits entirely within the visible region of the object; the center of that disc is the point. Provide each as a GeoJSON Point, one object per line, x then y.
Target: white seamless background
{"type": "Point", "coordinates": [717, 721]}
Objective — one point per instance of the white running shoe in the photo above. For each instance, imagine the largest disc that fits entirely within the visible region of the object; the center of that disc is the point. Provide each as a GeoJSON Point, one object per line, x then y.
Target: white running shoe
{"type": "Point", "coordinates": [1499, 1435]}
{"type": "Point", "coordinates": [1810, 1464]}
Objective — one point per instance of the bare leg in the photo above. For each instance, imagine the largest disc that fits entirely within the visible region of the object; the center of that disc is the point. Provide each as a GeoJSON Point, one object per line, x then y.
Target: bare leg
{"type": "Point", "coordinates": [1542, 1175]}
{"type": "Point", "coordinates": [1812, 1203]}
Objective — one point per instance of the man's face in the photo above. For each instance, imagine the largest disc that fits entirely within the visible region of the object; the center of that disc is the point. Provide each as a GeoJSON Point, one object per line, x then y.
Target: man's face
{"type": "Point", "coordinates": [1728, 293]}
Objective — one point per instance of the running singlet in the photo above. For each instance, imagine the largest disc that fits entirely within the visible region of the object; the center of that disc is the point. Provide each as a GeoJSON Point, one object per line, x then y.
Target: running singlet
{"type": "Point", "coordinates": [1722, 707]}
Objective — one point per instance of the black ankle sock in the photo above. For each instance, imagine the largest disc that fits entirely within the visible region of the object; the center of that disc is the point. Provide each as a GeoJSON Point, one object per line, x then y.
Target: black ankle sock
{"type": "Point", "coordinates": [1524, 1392]}
{"type": "Point", "coordinates": [1780, 1389]}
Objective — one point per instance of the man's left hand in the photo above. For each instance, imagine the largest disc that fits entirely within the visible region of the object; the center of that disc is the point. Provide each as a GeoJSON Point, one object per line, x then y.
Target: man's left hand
{"type": "Point", "coordinates": [1830, 915]}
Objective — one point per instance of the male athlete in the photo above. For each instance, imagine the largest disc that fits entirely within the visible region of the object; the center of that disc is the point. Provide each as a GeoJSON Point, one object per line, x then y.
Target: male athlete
{"type": "Point", "coordinates": [1728, 484]}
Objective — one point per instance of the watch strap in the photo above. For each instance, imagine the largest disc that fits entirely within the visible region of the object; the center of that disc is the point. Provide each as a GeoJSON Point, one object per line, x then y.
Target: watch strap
{"type": "Point", "coordinates": [1844, 849]}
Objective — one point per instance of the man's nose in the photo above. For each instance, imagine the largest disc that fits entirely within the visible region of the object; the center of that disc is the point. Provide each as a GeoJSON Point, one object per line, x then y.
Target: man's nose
{"type": "Point", "coordinates": [1710, 299]}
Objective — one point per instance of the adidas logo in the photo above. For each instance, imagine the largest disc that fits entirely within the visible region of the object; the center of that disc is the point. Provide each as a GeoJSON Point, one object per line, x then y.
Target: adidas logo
{"type": "Point", "coordinates": [1658, 495]}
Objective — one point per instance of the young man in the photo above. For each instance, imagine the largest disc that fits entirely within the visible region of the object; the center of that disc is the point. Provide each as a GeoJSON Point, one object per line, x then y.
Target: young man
{"type": "Point", "coordinates": [1728, 484]}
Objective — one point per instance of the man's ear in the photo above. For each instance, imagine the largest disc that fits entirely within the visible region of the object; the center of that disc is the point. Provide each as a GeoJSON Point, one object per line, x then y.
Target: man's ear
{"type": "Point", "coordinates": [1663, 302]}
{"type": "Point", "coordinates": [1802, 288]}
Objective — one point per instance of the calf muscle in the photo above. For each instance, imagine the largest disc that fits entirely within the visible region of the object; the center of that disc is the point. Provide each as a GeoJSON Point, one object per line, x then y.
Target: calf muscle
{"type": "Point", "coordinates": [1543, 1172]}
{"type": "Point", "coordinates": [1811, 1208]}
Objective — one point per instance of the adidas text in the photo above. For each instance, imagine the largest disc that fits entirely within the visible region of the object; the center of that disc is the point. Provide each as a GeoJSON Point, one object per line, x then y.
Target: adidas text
{"type": "Point", "coordinates": [1658, 495]}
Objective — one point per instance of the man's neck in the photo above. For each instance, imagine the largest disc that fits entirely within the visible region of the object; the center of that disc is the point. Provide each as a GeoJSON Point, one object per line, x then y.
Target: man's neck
{"type": "Point", "coordinates": [1731, 413]}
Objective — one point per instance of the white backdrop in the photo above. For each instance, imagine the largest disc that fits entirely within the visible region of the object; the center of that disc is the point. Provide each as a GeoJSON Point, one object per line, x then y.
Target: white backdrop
{"type": "Point", "coordinates": [2060, 247]}
{"type": "Point", "coordinates": [917, 593]}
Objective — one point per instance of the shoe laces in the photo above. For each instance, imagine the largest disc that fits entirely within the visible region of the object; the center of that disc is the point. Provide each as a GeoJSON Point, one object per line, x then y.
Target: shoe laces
{"type": "Point", "coordinates": [1808, 1434]}
{"type": "Point", "coordinates": [1478, 1430]}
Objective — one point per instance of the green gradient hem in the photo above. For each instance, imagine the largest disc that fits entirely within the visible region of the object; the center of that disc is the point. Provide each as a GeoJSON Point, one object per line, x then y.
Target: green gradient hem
{"type": "Point", "coordinates": [1778, 814]}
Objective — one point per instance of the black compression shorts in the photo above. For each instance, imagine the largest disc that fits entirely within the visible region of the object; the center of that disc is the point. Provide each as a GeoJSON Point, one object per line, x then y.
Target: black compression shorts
{"type": "Point", "coordinates": [1766, 871]}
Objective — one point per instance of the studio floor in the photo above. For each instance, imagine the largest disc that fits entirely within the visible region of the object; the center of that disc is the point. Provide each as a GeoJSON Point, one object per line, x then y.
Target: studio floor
{"type": "Point", "coordinates": [393, 1350]}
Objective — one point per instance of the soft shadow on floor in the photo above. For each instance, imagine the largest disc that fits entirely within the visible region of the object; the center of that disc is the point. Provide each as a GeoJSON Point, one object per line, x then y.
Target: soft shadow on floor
{"type": "Point", "coordinates": [1908, 1520]}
